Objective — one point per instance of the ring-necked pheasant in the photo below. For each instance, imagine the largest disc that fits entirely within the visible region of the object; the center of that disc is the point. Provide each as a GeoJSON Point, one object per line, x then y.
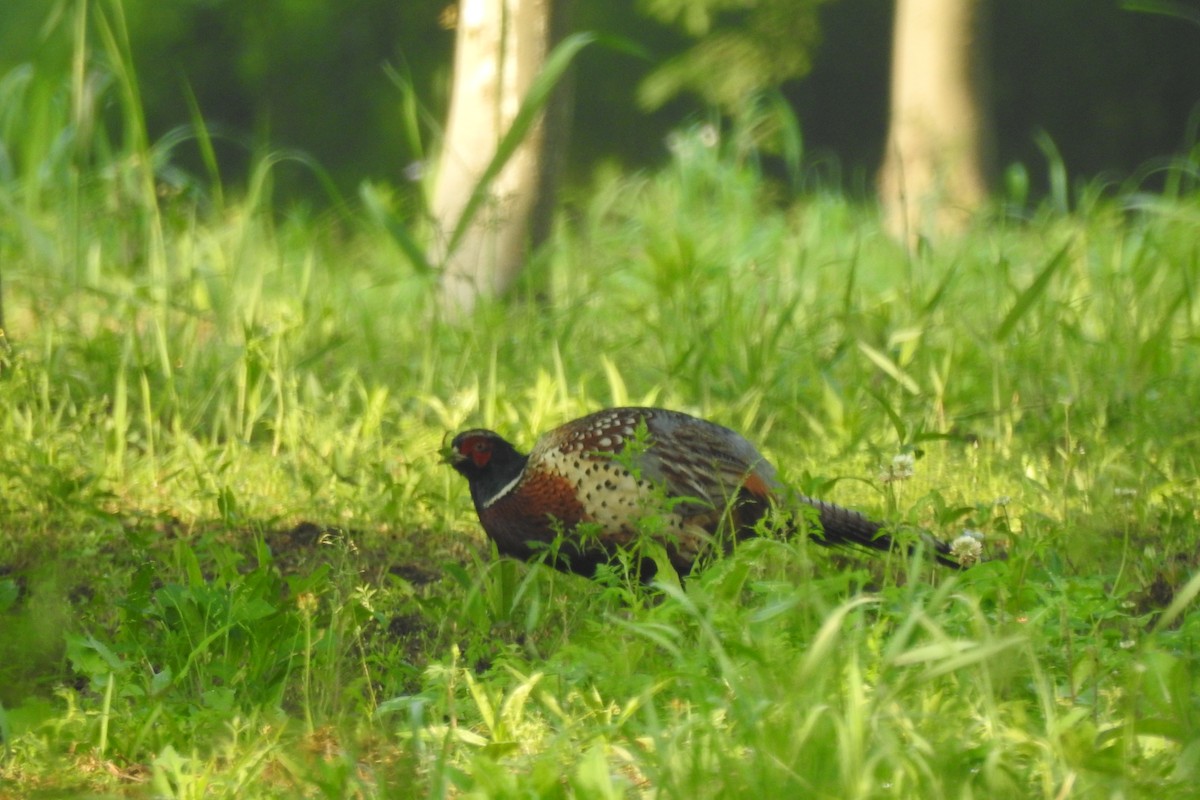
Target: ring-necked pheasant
{"type": "Point", "coordinates": [701, 484]}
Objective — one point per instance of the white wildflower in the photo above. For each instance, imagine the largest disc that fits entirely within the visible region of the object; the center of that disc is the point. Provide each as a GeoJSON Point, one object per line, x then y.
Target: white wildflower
{"type": "Point", "coordinates": [968, 548]}
{"type": "Point", "coordinates": [901, 469]}
{"type": "Point", "coordinates": [415, 171]}
{"type": "Point", "coordinates": [676, 143]}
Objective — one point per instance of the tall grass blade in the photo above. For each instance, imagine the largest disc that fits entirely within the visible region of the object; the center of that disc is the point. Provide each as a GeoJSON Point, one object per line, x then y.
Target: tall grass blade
{"type": "Point", "coordinates": [258, 191]}
{"type": "Point", "coordinates": [377, 208]}
{"type": "Point", "coordinates": [944, 657]}
{"type": "Point", "coordinates": [790, 137]}
{"type": "Point", "coordinates": [115, 37]}
{"type": "Point", "coordinates": [1032, 293]}
{"type": "Point", "coordinates": [204, 141]}
{"type": "Point", "coordinates": [820, 648]}
{"type": "Point", "coordinates": [1166, 8]}
{"type": "Point", "coordinates": [890, 368]}
{"type": "Point", "coordinates": [939, 293]}
{"type": "Point", "coordinates": [1059, 194]}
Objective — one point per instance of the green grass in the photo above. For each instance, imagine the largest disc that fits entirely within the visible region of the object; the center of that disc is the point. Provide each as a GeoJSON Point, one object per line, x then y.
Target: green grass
{"type": "Point", "coordinates": [231, 563]}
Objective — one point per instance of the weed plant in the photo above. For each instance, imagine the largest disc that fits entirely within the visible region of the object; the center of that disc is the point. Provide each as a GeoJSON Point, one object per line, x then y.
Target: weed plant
{"type": "Point", "coordinates": [231, 564]}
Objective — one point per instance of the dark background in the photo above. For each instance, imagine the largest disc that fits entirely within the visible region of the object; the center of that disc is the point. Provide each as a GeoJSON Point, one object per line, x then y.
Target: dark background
{"type": "Point", "coordinates": [1117, 91]}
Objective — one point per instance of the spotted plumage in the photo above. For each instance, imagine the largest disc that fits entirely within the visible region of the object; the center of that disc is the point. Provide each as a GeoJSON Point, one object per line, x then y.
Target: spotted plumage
{"type": "Point", "coordinates": [591, 485]}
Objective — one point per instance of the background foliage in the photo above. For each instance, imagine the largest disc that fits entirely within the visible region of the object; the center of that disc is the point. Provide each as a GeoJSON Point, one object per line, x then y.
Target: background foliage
{"type": "Point", "coordinates": [744, 49]}
{"type": "Point", "coordinates": [230, 564]}
{"type": "Point", "coordinates": [328, 79]}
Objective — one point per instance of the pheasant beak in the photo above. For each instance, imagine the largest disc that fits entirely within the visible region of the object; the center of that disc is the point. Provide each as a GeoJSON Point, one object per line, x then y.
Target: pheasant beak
{"type": "Point", "coordinates": [449, 453]}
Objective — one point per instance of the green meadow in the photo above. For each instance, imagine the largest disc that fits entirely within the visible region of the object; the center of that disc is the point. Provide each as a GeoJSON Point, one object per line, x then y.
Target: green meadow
{"type": "Point", "coordinates": [233, 565]}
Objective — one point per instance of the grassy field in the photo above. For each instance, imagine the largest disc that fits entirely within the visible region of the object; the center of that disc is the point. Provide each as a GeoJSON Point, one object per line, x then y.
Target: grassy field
{"type": "Point", "coordinates": [231, 563]}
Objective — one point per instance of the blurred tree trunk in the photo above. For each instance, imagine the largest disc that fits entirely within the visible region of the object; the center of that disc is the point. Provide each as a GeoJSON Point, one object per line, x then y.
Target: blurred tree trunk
{"type": "Point", "coordinates": [939, 136]}
{"type": "Point", "coordinates": [500, 48]}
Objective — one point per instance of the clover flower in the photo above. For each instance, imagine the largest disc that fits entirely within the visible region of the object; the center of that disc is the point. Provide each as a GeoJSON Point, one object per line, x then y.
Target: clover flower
{"type": "Point", "coordinates": [901, 469]}
{"type": "Point", "coordinates": [967, 549]}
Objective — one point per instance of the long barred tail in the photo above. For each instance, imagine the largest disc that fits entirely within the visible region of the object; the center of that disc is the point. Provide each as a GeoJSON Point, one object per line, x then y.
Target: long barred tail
{"type": "Point", "coordinates": [841, 526]}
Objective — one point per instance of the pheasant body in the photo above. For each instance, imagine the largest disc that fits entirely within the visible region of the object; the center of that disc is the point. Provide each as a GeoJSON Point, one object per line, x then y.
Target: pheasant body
{"type": "Point", "coordinates": [689, 483]}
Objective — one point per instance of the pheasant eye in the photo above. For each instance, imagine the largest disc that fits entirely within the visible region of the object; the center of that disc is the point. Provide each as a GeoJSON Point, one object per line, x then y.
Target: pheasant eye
{"type": "Point", "coordinates": [479, 451]}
